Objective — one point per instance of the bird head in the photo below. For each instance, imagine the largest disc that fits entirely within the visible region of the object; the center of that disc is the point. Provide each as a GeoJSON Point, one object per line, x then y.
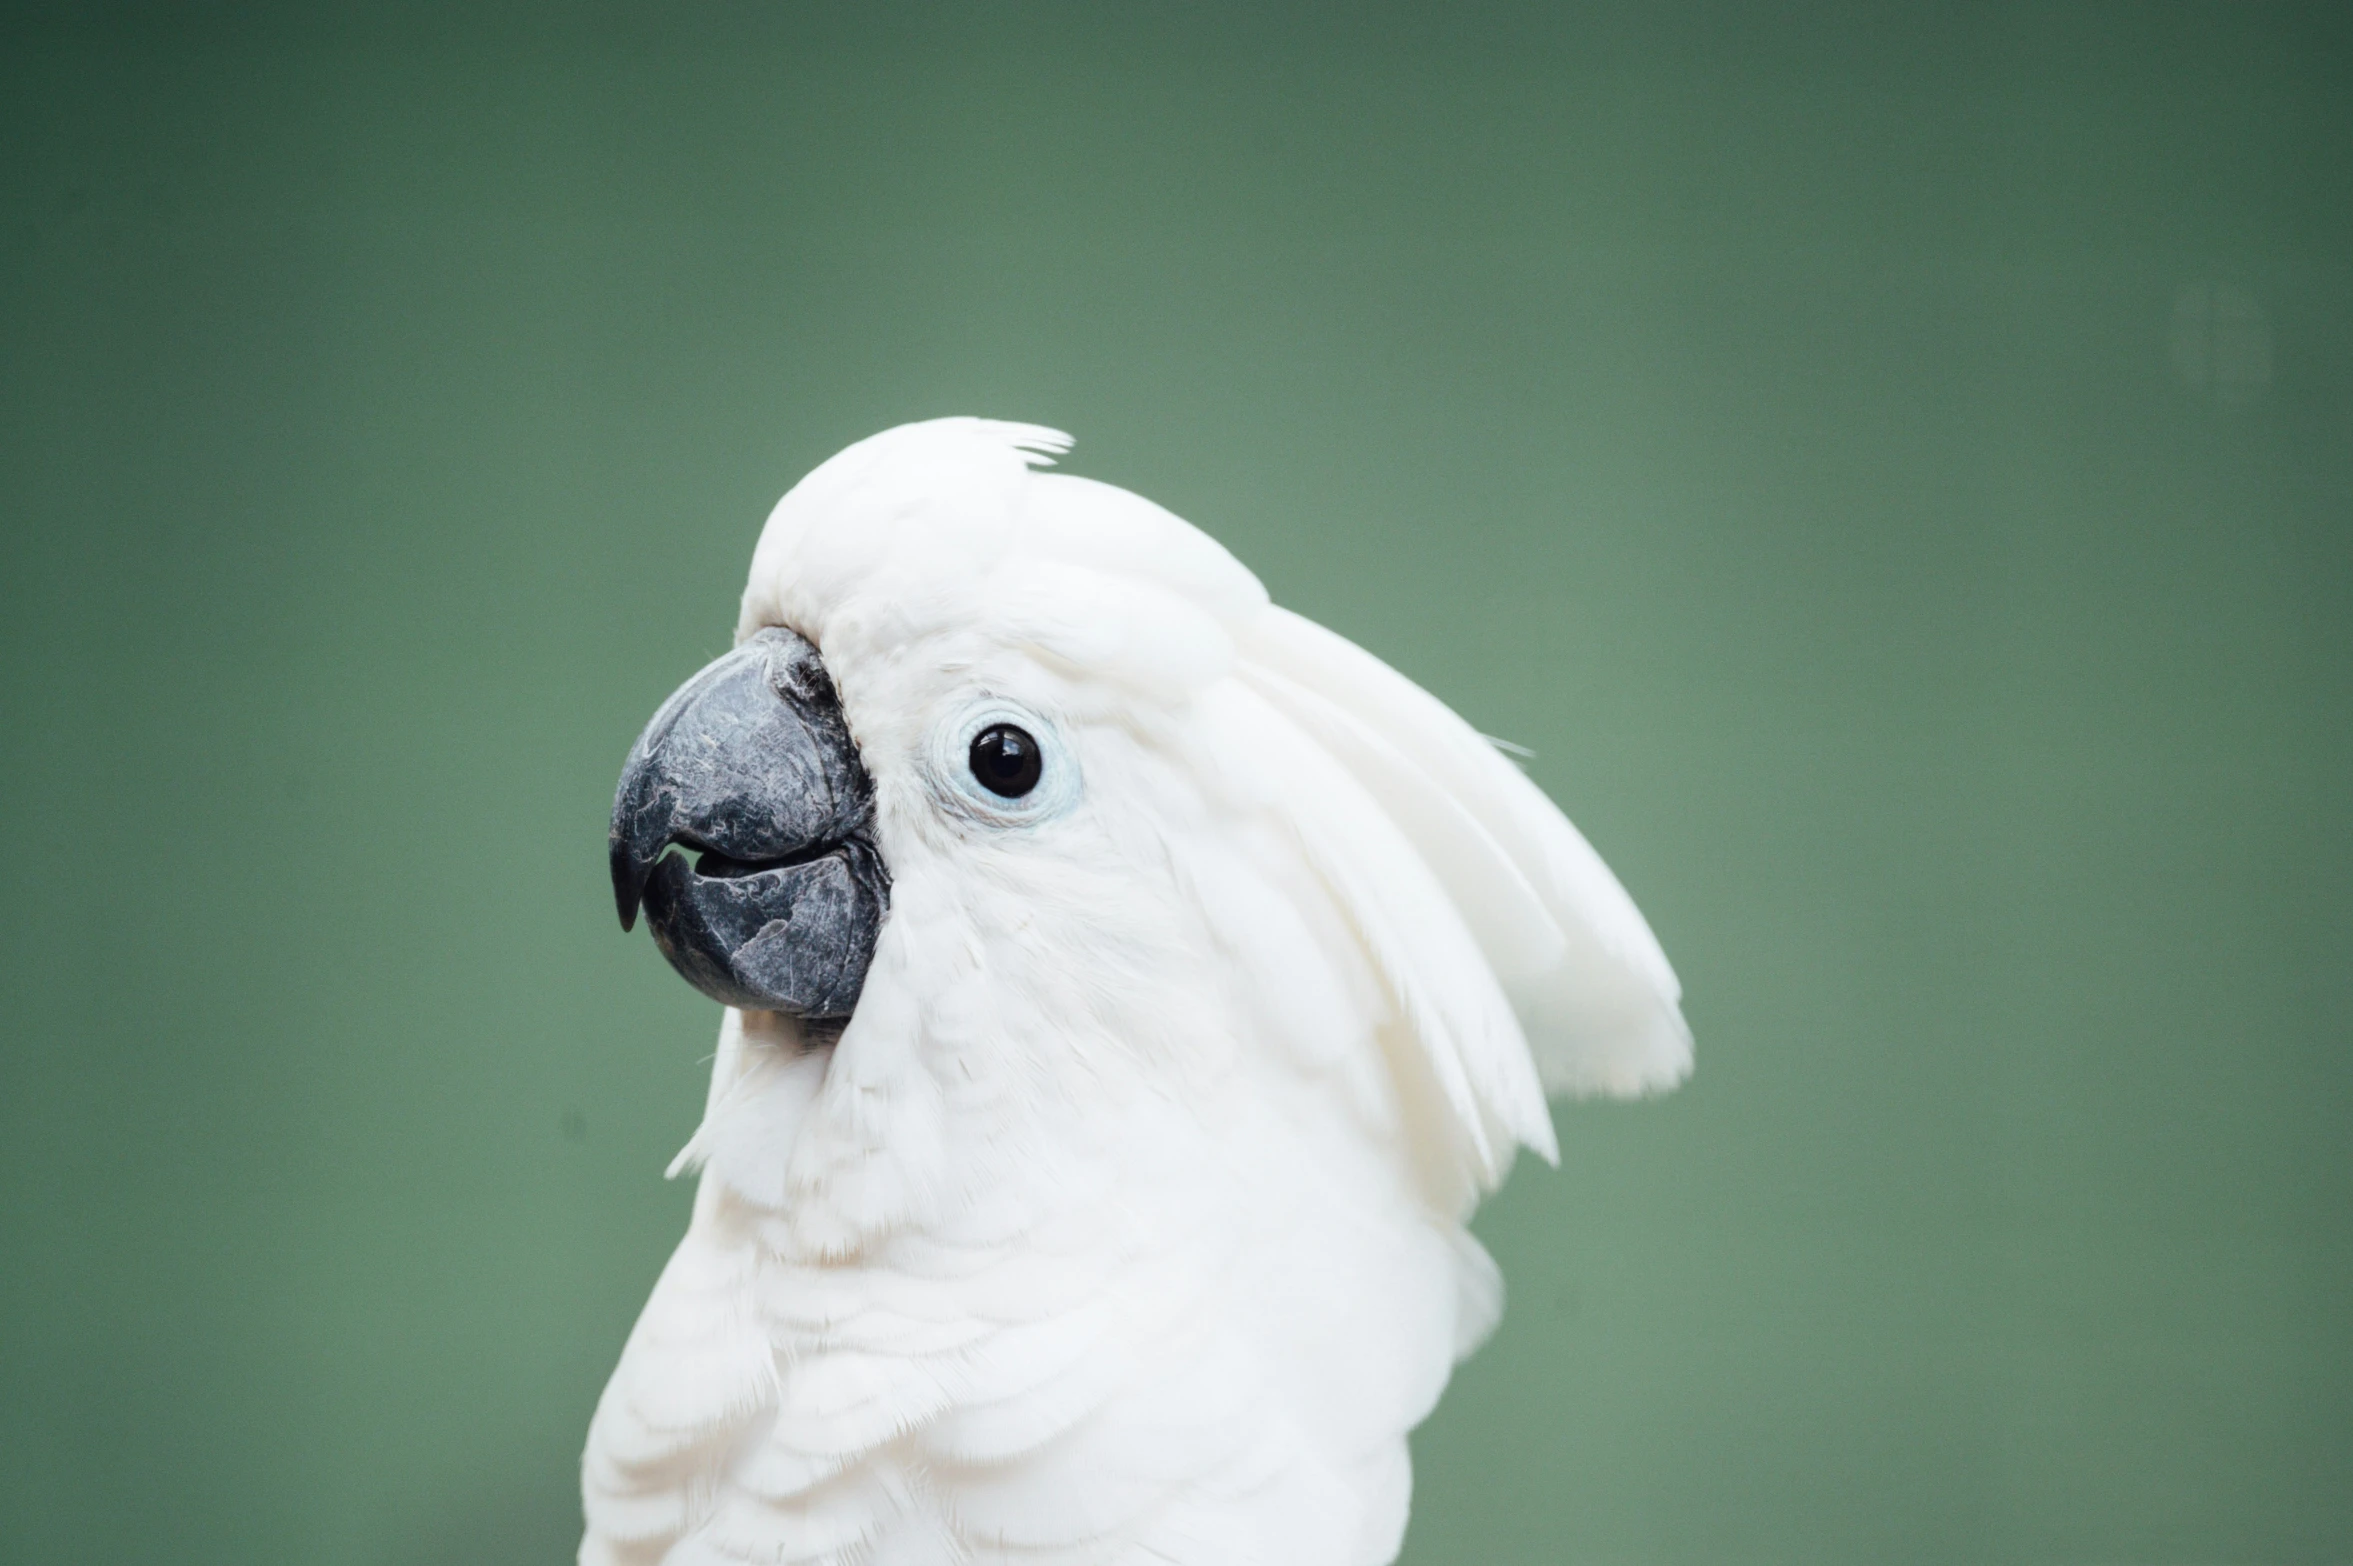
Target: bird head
{"type": "Point", "coordinates": [1018, 792]}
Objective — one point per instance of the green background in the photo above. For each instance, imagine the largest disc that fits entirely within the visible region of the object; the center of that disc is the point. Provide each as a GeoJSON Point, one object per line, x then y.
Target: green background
{"type": "Point", "coordinates": [1895, 467]}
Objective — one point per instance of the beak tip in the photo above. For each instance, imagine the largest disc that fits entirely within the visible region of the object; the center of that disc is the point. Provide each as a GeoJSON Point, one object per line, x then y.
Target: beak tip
{"type": "Point", "coordinates": [629, 877]}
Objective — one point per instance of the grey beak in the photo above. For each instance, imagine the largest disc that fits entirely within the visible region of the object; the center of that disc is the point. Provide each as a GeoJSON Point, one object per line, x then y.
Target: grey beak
{"type": "Point", "coordinates": [751, 763]}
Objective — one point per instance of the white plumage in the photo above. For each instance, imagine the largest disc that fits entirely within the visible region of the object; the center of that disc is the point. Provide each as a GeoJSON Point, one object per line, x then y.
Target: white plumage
{"type": "Point", "coordinates": [1124, 1223]}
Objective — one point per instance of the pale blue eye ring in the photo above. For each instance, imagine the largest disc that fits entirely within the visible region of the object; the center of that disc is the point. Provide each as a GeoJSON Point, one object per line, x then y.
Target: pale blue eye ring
{"type": "Point", "coordinates": [1002, 763]}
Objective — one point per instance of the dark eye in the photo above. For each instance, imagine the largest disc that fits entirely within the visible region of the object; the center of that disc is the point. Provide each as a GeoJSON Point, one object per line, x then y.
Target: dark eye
{"type": "Point", "coordinates": [1005, 760]}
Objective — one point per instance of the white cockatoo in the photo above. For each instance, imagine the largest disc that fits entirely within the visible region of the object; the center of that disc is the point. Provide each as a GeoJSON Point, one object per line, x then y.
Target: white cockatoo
{"type": "Point", "coordinates": [1132, 988]}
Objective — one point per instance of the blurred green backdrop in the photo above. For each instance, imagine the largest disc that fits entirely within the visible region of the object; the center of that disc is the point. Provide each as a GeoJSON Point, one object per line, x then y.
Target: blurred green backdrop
{"type": "Point", "coordinates": [1895, 467]}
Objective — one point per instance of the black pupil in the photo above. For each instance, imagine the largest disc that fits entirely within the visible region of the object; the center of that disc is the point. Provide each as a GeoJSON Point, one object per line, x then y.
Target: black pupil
{"type": "Point", "coordinates": [1006, 761]}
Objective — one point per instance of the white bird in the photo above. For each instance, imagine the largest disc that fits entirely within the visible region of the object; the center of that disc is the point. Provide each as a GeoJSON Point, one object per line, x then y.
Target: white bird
{"type": "Point", "coordinates": [1133, 987]}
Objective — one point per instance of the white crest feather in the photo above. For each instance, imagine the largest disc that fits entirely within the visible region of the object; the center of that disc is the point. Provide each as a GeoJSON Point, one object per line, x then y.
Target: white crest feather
{"type": "Point", "coordinates": [1593, 991]}
{"type": "Point", "coordinates": [1038, 445]}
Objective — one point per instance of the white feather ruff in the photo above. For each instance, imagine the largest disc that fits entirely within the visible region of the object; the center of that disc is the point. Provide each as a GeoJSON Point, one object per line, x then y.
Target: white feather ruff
{"type": "Point", "coordinates": [1125, 1221]}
